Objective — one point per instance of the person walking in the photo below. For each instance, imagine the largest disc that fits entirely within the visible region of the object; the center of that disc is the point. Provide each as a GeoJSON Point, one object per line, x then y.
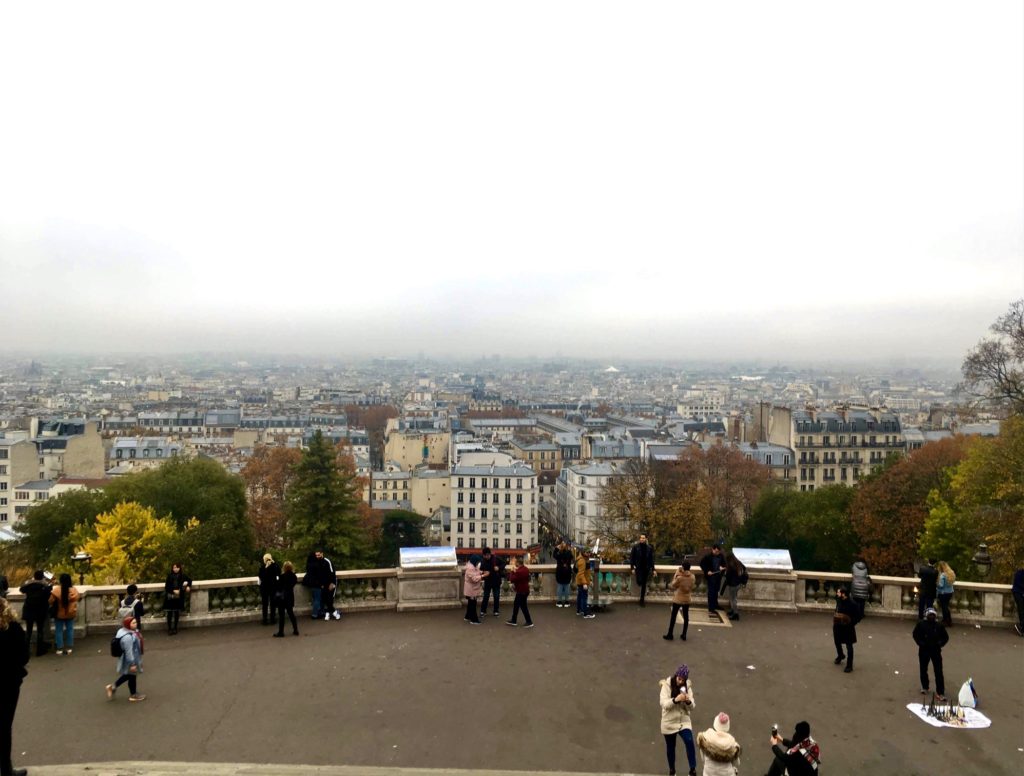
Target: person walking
{"type": "Point", "coordinates": [35, 609]}
{"type": "Point", "coordinates": [641, 563]}
{"type": "Point", "coordinates": [928, 580]}
{"type": "Point", "coordinates": [944, 590]}
{"type": "Point", "coordinates": [563, 574]}
{"type": "Point", "coordinates": [844, 628]}
{"type": "Point", "coordinates": [13, 659]}
{"type": "Point", "coordinates": [472, 585]}
{"type": "Point", "coordinates": [583, 586]}
{"type": "Point", "coordinates": [65, 599]}
{"type": "Point", "coordinates": [493, 569]}
{"type": "Point", "coordinates": [860, 585]}
{"type": "Point", "coordinates": [930, 637]}
{"type": "Point", "coordinates": [176, 589]}
{"type": "Point", "coordinates": [129, 662]}
{"type": "Point", "coordinates": [677, 703]}
{"type": "Point", "coordinates": [520, 579]}
{"type": "Point", "coordinates": [132, 604]}
{"type": "Point", "coordinates": [712, 566]}
{"type": "Point", "coordinates": [284, 598]}
{"type": "Point", "coordinates": [1018, 599]}
{"type": "Point", "coordinates": [735, 577]}
{"type": "Point", "coordinates": [268, 573]}
{"type": "Point", "coordinates": [720, 751]}
{"type": "Point", "coordinates": [682, 585]}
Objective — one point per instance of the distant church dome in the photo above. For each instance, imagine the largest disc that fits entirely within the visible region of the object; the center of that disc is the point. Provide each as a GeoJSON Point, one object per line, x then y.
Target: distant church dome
{"type": "Point", "coordinates": [611, 369]}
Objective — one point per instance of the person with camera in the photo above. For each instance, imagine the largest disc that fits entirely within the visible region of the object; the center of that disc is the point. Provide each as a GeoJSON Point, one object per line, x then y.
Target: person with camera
{"type": "Point", "coordinates": [641, 563]}
{"type": "Point", "coordinates": [583, 585]}
{"type": "Point", "coordinates": [796, 756]}
{"type": "Point", "coordinates": [493, 568]}
{"type": "Point", "coordinates": [677, 703]}
{"type": "Point", "coordinates": [844, 628]}
{"type": "Point", "coordinates": [472, 584]}
{"type": "Point", "coordinates": [520, 579]}
{"type": "Point", "coordinates": [36, 609]}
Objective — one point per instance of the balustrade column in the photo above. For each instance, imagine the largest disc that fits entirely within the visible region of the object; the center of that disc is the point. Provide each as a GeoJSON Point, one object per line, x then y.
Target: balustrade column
{"type": "Point", "coordinates": [892, 598]}
{"type": "Point", "coordinates": [199, 602]}
{"type": "Point", "coordinates": [994, 605]}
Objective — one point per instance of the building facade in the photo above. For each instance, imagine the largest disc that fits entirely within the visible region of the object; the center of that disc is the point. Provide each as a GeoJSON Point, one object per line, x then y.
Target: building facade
{"type": "Point", "coordinates": [494, 506]}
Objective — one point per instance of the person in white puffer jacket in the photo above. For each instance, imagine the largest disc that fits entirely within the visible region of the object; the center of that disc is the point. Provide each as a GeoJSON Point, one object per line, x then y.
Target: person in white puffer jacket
{"type": "Point", "coordinates": [720, 750]}
{"type": "Point", "coordinates": [677, 703]}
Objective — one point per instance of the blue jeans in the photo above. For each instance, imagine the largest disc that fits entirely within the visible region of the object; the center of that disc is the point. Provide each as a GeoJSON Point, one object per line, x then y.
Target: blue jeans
{"type": "Point", "coordinates": [64, 633]}
{"type": "Point", "coordinates": [581, 599]}
{"type": "Point", "coordinates": [563, 593]}
{"type": "Point", "coordinates": [670, 749]}
{"type": "Point", "coordinates": [314, 593]}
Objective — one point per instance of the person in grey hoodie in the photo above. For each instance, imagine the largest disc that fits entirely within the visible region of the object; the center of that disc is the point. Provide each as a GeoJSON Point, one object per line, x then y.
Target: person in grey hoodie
{"type": "Point", "coordinates": [860, 587]}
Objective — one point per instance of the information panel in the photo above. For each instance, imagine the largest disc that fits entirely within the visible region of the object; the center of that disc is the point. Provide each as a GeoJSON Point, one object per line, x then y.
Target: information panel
{"type": "Point", "coordinates": [755, 558]}
{"type": "Point", "coordinates": [427, 557]}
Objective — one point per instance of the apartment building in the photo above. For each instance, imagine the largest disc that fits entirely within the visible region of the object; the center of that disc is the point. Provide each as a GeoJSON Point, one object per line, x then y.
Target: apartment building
{"type": "Point", "coordinates": [17, 465]}
{"type": "Point", "coordinates": [578, 493]}
{"type": "Point", "coordinates": [541, 456]}
{"type": "Point", "coordinates": [839, 447]}
{"type": "Point", "coordinates": [494, 506]}
{"type": "Point", "coordinates": [390, 490]}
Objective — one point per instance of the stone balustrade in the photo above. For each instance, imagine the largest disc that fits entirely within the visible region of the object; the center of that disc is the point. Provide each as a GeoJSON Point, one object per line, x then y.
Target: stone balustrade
{"type": "Point", "coordinates": [218, 601]}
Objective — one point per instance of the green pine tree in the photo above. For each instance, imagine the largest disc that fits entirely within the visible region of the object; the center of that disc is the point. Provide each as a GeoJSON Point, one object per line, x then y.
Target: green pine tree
{"type": "Point", "coordinates": [322, 507]}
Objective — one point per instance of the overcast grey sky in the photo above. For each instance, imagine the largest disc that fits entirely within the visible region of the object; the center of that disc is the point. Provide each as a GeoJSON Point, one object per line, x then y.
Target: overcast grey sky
{"type": "Point", "coordinates": [776, 179]}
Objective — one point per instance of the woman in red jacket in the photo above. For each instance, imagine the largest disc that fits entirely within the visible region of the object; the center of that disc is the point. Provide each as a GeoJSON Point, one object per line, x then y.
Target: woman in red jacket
{"type": "Point", "coordinates": [520, 579]}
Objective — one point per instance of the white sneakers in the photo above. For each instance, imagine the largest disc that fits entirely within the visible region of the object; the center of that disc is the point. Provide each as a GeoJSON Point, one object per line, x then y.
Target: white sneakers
{"type": "Point", "coordinates": [337, 615]}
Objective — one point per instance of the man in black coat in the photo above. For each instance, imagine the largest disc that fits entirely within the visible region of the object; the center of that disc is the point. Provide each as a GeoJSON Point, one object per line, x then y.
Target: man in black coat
{"type": "Point", "coordinates": [929, 581]}
{"type": "Point", "coordinates": [930, 636]}
{"type": "Point", "coordinates": [13, 659]}
{"type": "Point", "coordinates": [494, 564]}
{"type": "Point", "coordinates": [844, 627]}
{"type": "Point", "coordinates": [641, 563]}
{"type": "Point", "coordinates": [37, 606]}
{"type": "Point", "coordinates": [713, 566]}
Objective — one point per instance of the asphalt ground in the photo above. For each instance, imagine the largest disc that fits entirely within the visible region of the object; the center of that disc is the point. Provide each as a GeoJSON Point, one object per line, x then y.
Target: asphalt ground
{"type": "Point", "coordinates": [427, 690]}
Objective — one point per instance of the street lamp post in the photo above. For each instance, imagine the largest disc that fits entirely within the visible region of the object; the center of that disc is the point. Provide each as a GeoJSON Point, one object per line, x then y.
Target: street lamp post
{"type": "Point", "coordinates": [82, 562]}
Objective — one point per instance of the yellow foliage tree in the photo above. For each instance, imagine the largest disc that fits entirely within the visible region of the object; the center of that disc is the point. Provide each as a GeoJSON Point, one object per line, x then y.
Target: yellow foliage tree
{"type": "Point", "coordinates": [127, 543]}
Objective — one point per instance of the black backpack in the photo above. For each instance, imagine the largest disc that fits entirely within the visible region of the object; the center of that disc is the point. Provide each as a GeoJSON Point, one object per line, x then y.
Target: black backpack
{"type": "Point", "coordinates": [115, 647]}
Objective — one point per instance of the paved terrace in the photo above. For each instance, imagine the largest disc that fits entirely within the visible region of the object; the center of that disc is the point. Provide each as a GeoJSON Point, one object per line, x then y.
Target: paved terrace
{"type": "Point", "coordinates": [426, 690]}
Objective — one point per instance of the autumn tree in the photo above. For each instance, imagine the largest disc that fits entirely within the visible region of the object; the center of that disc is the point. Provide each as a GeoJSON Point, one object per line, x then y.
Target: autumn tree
{"type": "Point", "coordinates": [267, 475]}
{"type": "Point", "coordinates": [732, 481]}
{"type": "Point", "coordinates": [889, 509]}
{"type": "Point", "coordinates": [984, 501]}
{"type": "Point", "coordinates": [322, 506]}
{"type": "Point", "coordinates": [993, 370]}
{"type": "Point", "coordinates": [128, 543]}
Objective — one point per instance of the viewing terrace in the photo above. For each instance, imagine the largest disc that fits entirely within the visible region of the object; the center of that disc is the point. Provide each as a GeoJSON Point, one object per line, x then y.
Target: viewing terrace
{"type": "Point", "coordinates": [403, 682]}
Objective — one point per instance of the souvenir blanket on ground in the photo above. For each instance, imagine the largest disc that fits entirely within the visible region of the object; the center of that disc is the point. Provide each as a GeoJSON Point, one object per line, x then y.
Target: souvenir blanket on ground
{"type": "Point", "coordinates": [961, 718]}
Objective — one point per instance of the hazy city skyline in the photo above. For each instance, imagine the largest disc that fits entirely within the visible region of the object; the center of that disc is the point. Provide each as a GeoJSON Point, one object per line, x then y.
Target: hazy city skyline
{"type": "Point", "coordinates": [786, 181]}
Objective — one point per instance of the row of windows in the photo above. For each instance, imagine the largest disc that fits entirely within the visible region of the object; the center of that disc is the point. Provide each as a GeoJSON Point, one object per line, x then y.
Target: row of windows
{"type": "Point", "coordinates": [494, 513]}
{"type": "Point", "coordinates": [383, 485]}
{"type": "Point", "coordinates": [826, 441]}
{"type": "Point", "coordinates": [145, 453]}
{"type": "Point", "coordinates": [494, 498]}
{"type": "Point", "coordinates": [829, 475]}
{"type": "Point", "coordinates": [494, 482]}
{"type": "Point", "coordinates": [460, 528]}
{"type": "Point", "coordinates": [483, 543]}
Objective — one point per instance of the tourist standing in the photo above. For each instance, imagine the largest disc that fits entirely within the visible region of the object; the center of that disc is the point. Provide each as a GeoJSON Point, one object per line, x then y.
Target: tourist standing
{"type": "Point", "coordinates": [712, 567]}
{"type": "Point", "coordinates": [35, 609]}
{"type": "Point", "coordinates": [472, 585]}
{"type": "Point", "coordinates": [928, 580]}
{"type": "Point", "coordinates": [682, 586]}
{"type": "Point", "coordinates": [930, 637]}
{"type": "Point", "coordinates": [13, 659]}
{"type": "Point", "coordinates": [284, 598]}
{"type": "Point", "coordinates": [132, 604]}
{"type": "Point", "coordinates": [493, 568]}
{"type": "Point", "coordinates": [676, 698]}
{"type": "Point", "coordinates": [129, 662]}
{"type": "Point", "coordinates": [720, 750]}
{"type": "Point", "coordinates": [583, 585]}
{"type": "Point", "coordinates": [563, 574]}
{"type": "Point", "coordinates": [311, 580]}
{"type": "Point", "coordinates": [844, 628]}
{"type": "Point", "coordinates": [1018, 599]}
{"type": "Point", "coordinates": [641, 563]}
{"type": "Point", "coordinates": [520, 579]}
{"type": "Point", "coordinates": [860, 585]}
{"type": "Point", "coordinates": [176, 589]}
{"type": "Point", "coordinates": [65, 599]}
{"type": "Point", "coordinates": [268, 574]}
{"type": "Point", "coordinates": [944, 590]}
{"type": "Point", "coordinates": [330, 587]}
{"type": "Point", "coordinates": [735, 577]}
{"type": "Point", "coordinates": [796, 756]}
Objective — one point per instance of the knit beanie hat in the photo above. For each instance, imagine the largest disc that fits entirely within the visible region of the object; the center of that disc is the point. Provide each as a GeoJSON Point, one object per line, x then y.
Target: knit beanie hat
{"type": "Point", "coordinates": [721, 723]}
{"type": "Point", "coordinates": [683, 673]}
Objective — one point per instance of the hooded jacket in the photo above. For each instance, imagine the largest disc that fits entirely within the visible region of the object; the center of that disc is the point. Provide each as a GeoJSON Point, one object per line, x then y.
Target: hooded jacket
{"type": "Point", "coordinates": [930, 635]}
{"type": "Point", "coordinates": [472, 584]}
{"type": "Point", "coordinates": [721, 752]}
{"type": "Point", "coordinates": [682, 583]}
{"type": "Point", "coordinates": [37, 599]}
{"type": "Point", "coordinates": [582, 571]}
{"type": "Point", "coordinates": [860, 587]}
{"type": "Point", "coordinates": [675, 716]}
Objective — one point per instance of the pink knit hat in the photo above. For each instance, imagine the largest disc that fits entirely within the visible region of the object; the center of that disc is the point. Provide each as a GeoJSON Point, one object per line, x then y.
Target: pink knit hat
{"type": "Point", "coordinates": [721, 723]}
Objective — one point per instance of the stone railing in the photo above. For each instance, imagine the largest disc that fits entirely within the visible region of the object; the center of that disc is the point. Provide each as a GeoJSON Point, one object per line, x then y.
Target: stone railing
{"type": "Point", "coordinates": [220, 601]}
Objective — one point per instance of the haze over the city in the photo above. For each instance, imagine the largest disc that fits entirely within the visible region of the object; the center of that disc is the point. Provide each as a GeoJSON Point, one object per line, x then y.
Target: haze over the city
{"type": "Point", "coordinates": [791, 180]}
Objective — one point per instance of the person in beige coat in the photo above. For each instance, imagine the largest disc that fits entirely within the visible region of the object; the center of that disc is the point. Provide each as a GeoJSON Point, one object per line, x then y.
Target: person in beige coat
{"type": "Point", "coordinates": [720, 751]}
{"type": "Point", "coordinates": [677, 703]}
{"type": "Point", "coordinates": [682, 585]}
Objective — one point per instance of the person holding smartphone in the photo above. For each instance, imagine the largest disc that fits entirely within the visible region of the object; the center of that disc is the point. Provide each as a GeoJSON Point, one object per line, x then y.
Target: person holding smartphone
{"type": "Point", "coordinates": [796, 756]}
{"type": "Point", "coordinates": [677, 703]}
